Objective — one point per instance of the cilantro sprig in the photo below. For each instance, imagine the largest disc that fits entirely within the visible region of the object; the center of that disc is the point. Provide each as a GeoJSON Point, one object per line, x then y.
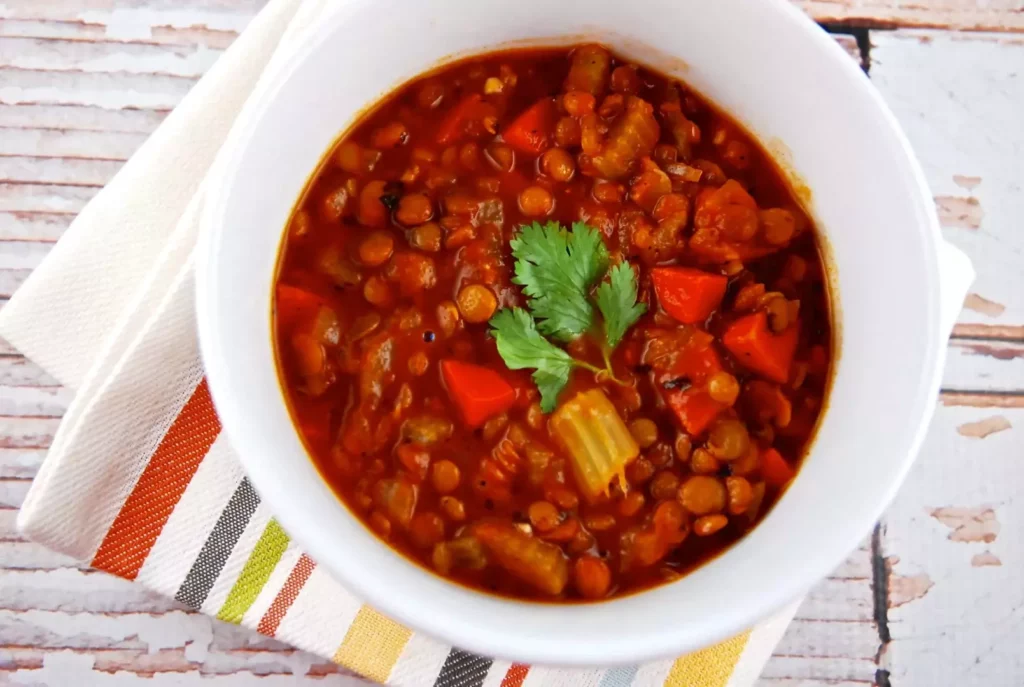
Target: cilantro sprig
{"type": "Point", "coordinates": [558, 271]}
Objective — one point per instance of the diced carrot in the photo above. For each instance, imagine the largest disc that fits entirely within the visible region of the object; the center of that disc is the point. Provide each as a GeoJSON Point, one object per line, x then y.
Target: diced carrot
{"type": "Point", "coordinates": [694, 408]}
{"type": "Point", "coordinates": [756, 347]}
{"type": "Point", "coordinates": [687, 294]}
{"type": "Point", "coordinates": [530, 133]}
{"type": "Point", "coordinates": [478, 392]}
{"type": "Point", "coordinates": [457, 123]}
{"type": "Point", "coordinates": [296, 306]}
{"type": "Point", "coordinates": [777, 472]}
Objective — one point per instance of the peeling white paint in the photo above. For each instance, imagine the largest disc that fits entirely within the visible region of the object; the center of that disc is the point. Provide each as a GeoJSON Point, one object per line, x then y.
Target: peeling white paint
{"type": "Point", "coordinates": [61, 668]}
{"type": "Point", "coordinates": [177, 629]}
{"type": "Point", "coordinates": [191, 63]}
{"type": "Point", "coordinates": [112, 100]}
{"type": "Point", "coordinates": [138, 23]}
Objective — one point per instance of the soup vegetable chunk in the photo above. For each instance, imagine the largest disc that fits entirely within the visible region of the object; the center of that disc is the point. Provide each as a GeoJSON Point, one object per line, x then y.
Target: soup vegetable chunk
{"type": "Point", "coordinates": [553, 326]}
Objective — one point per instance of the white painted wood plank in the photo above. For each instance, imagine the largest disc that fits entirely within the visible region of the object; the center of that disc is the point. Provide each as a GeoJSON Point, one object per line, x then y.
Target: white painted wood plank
{"type": "Point", "coordinates": [20, 463]}
{"type": "Point", "coordinates": [57, 143]}
{"type": "Point", "coordinates": [26, 432]}
{"type": "Point", "coordinates": [19, 255]}
{"type": "Point", "coordinates": [112, 91]}
{"type": "Point", "coordinates": [974, 15]}
{"type": "Point", "coordinates": [80, 118]}
{"type": "Point", "coordinates": [82, 31]}
{"type": "Point", "coordinates": [835, 599]}
{"type": "Point", "coordinates": [36, 226]}
{"type": "Point", "coordinates": [811, 670]}
{"type": "Point", "coordinates": [829, 639]}
{"type": "Point", "coordinates": [171, 661]}
{"type": "Point", "coordinates": [109, 57]}
{"type": "Point", "coordinates": [955, 553]}
{"type": "Point", "coordinates": [31, 556]}
{"type": "Point", "coordinates": [959, 97]}
{"type": "Point", "coordinates": [988, 365]}
{"type": "Point", "coordinates": [29, 198]}
{"type": "Point", "coordinates": [16, 370]}
{"type": "Point", "coordinates": [800, 682]}
{"type": "Point", "coordinates": [10, 280]}
{"type": "Point", "coordinates": [12, 492]}
{"type": "Point", "coordinates": [172, 630]}
{"type": "Point", "coordinates": [28, 401]}
{"type": "Point", "coordinates": [77, 591]}
{"type": "Point", "coordinates": [135, 19]}
{"type": "Point", "coordinates": [70, 171]}
{"type": "Point", "coordinates": [8, 526]}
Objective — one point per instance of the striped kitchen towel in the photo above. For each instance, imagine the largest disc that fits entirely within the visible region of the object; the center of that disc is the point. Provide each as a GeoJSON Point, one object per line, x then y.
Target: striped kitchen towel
{"type": "Point", "coordinates": [193, 527]}
{"type": "Point", "coordinates": [141, 482]}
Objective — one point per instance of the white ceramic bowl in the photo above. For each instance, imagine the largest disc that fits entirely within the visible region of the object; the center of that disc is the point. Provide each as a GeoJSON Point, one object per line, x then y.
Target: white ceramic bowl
{"type": "Point", "coordinates": [899, 288]}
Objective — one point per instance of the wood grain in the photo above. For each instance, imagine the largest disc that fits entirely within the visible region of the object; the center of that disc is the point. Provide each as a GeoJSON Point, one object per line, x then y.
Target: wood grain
{"type": "Point", "coordinates": [969, 15]}
{"type": "Point", "coordinates": [958, 97]}
{"type": "Point", "coordinates": [82, 83]}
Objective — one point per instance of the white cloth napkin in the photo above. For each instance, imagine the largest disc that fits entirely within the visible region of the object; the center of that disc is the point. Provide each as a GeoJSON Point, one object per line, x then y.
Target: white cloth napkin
{"type": "Point", "coordinates": [110, 313]}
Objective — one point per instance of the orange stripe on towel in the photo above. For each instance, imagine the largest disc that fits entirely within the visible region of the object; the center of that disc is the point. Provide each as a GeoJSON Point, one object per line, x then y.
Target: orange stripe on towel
{"type": "Point", "coordinates": [286, 596]}
{"type": "Point", "coordinates": [515, 676]}
{"type": "Point", "coordinates": [170, 469]}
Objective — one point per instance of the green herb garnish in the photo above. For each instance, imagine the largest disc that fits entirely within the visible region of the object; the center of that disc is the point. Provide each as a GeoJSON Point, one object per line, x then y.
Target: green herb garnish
{"type": "Point", "coordinates": [617, 300]}
{"type": "Point", "coordinates": [558, 270]}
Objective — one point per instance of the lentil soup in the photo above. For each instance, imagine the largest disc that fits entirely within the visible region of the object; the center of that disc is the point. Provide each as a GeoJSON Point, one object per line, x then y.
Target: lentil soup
{"type": "Point", "coordinates": [552, 325]}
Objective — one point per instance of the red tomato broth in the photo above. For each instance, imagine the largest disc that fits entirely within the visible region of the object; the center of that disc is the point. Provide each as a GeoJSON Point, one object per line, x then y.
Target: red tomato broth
{"type": "Point", "coordinates": [411, 318]}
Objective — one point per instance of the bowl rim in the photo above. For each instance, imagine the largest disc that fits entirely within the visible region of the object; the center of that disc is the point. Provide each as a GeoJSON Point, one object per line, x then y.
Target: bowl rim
{"type": "Point", "coordinates": [216, 358]}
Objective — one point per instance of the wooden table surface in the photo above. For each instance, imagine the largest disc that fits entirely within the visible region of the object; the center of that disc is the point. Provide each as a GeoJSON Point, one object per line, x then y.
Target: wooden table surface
{"type": "Point", "coordinates": [935, 596]}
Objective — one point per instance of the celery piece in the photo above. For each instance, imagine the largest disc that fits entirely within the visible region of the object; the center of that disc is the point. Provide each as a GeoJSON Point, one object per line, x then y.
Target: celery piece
{"type": "Point", "coordinates": [597, 440]}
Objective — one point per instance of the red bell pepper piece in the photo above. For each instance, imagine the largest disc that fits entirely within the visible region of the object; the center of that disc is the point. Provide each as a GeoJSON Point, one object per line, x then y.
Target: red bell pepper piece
{"type": "Point", "coordinates": [478, 392]}
{"type": "Point", "coordinates": [696, 365]}
{"type": "Point", "coordinates": [689, 295]}
{"type": "Point", "coordinates": [776, 471]}
{"type": "Point", "coordinates": [531, 131]}
{"type": "Point", "coordinates": [694, 408]}
{"type": "Point", "coordinates": [755, 346]}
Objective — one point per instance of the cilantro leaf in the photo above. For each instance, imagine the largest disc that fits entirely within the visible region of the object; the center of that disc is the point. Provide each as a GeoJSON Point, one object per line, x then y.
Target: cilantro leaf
{"type": "Point", "coordinates": [550, 384]}
{"type": "Point", "coordinates": [556, 269]}
{"type": "Point", "coordinates": [521, 346]}
{"type": "Point", "coordinates": [616, 298]}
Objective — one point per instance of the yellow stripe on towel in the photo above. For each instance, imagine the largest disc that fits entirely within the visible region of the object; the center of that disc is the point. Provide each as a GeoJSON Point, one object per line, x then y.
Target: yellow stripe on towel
{"type": "Point", "coordinates": [372, 645]}
{"type": "Point", "coordinates": [709, 667]}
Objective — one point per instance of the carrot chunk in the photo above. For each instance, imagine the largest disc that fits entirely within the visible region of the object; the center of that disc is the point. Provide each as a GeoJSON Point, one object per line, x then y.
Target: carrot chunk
{"type": "Point", "coordinates": [777, 472]}
{"type": "Point", "coordinates": [467, 118]}
{"type": "Point", "coordinates": [754, 345]}
{"type": "Point", "coordinates": [694, 408]}
{"type": "Point", "coordinates": [296, 305]}
{"type": "Point", "coordinates": [478, 392]}
{"type": "Point", "coordinates": [530, 133]}
{"type": "Point", "coordinates": [689, 295]}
